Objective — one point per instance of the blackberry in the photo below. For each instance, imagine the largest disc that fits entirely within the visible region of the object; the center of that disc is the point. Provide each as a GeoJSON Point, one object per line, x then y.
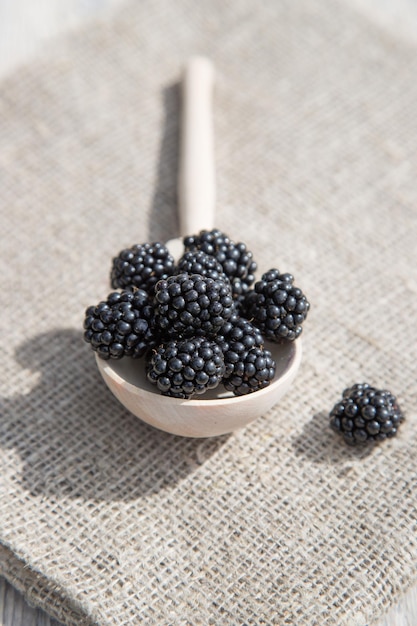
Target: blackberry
{"type": "Point", "coordinates": [198, 262]}
{"type": "Point", "coordinates": [183, 368]}
{"type": "Point", "coordinates": [366, 414]}
{"type": "Point", "coordinates": [121, 325]}
{"type": "Point", "coordinates": [190, 304]}
{"type": "Point", "coordinates": [248, 365]}
{"type": "Point", "coordinates": [236, 338]}
{"type": "Point", "coordinates": [253, 371]}
{"type": "Point", "coordinates": [277, 307]}
{"type": "Point", "coordinates": [141, 266]}
{"type": "Point", "coordinates": [237, 261]}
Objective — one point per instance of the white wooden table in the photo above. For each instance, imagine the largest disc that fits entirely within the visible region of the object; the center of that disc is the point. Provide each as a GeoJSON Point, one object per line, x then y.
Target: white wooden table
{"type": "Point", "coordinates": [25, 27]}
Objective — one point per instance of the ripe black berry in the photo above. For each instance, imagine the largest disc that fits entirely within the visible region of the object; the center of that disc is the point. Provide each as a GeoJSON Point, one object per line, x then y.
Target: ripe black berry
{"type": "Point", "coordinates": [182, 368]}
{"type": "Point", "coordinates": [121, 325]}
{"type": "Point", "coordinates": [190, 304]}
{"type": "Point", "coordinates": [236, 338]}
{"type": "Point", "coordinates": [366, 414]}
{"type": "Point", "coordinates": [141, 266]}
{"type": "Point", "coordinates": [277, 307]}
{"type": "Point", "coordinates": [236, 260]}
{"type": "Point", "coordinates": [253, 371]}
{"type": "Point", "coordinates": [198, 262]}
{"type": "Point", "coordinates": [248, 365]}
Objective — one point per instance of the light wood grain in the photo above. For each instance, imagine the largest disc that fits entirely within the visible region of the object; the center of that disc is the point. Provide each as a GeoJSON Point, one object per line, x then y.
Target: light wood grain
{"type": "Point", "coordinates": [404, 613]}
{"type": "Point", "coordinates": [15, 611]}
{"type": "Point", "coordinates": [196, 180]}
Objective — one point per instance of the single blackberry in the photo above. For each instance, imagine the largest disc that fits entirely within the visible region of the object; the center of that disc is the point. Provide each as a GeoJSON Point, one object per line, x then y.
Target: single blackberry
{"type": "Point", "coordinates": [121, 325]}
{"type": "Point", "coordinates": [236, 337]}
{"type": "Point", "coordinates": [191, 304]}
{"type": "Point", "coordinates": [236, 260]}
{"type": "Point", "coordinates": [253, 371]}
{"type": "Point", "coordinates": [183, 368]}
{"type": "Point", "coordinates": [248, 365]}
{"type": "Point", "coordinates": [198, 262]}
{"type": "Point", "coordinates": [277, 307]}
{"type": "Point", "coordinates": [366, 414]}
{"type": "Point", "coordinates": [141, 266]}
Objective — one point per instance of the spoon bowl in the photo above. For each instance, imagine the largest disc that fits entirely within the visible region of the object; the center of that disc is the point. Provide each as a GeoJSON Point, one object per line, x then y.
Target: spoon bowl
{"type": "Point", "coordinates": [217, 412]}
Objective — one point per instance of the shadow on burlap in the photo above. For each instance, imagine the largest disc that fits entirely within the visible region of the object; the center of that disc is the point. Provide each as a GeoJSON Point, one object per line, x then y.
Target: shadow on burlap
{"type": "Point", "coordinates": [98, 451]}
{"type": "Point", "coordinates": [106, 521]}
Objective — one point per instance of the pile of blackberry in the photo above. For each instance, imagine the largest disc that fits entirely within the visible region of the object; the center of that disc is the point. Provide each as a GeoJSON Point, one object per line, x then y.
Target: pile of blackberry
{"type": "Point", "coordinates": [366, 414]}
{"type": "Point", "coordinates": [197, 323]}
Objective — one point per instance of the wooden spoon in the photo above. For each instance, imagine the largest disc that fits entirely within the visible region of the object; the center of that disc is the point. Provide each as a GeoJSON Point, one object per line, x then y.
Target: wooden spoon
{"type": "Point", "coordinates": [217, 412]}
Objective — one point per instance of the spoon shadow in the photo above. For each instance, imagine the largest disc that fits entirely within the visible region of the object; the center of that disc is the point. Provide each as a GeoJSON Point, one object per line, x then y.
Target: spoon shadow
{"type": "Point", "coordinates": [163, 219]}
{"type": "Point", "coordinates": [75, 440]}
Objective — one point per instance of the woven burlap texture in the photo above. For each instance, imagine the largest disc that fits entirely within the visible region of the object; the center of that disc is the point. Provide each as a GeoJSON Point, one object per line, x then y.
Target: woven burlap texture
{"type": "Point", "coordinates": [107, 521]}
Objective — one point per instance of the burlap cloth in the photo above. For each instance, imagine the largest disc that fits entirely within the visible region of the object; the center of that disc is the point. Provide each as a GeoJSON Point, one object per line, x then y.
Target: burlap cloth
{"type": "Point", "coordinates": [107, 521]}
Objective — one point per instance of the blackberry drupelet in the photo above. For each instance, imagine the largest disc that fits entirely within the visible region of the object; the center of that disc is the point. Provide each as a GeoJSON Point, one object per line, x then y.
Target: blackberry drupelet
{"type": "Point", "coordinates": [198, 262]}
{"type": "Point", "coordinates": [121, 325]}
{"type": "Point", "coordinates": [237, 261]}
{"type": "Point", "coordinates": [183, 368]}
{"type": "Point", "coordinates": [366, 414]}
{"type": "Point", "coordinates": [141, 266]}
{"type": "Point", "coordinates": [277, 307]}
{"type": "Point", "coordinates": [188, 305]}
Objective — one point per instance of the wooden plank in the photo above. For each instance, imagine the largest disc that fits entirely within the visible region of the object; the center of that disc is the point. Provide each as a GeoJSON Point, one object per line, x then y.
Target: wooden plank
{"type": "Point", "coordinates": [404, 613]}
{"type": "Point", "coordinates": [15, 611]}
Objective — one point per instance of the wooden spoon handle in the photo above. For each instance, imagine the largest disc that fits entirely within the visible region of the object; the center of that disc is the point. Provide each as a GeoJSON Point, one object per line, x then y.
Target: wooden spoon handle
{"type": "Point", "coordinates": [196, 184]}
